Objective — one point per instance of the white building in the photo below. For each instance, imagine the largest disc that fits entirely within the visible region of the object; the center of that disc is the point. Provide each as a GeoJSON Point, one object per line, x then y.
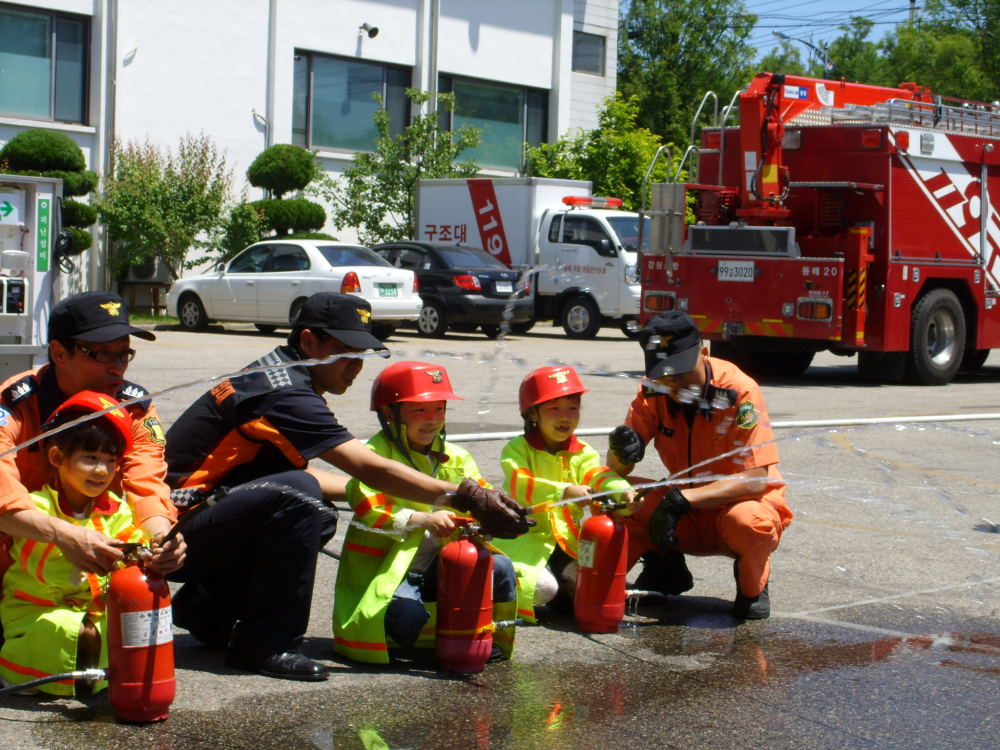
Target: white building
{"type": "Point", "coordinates": [251, 73]}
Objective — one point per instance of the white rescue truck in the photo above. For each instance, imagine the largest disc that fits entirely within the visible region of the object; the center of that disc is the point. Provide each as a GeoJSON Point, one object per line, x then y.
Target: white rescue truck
{"type": "Point", "coordinates": [585, 248]}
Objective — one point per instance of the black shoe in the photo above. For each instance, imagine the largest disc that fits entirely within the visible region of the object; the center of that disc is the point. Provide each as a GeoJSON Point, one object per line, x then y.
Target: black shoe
{"type": "Point", "coordinates": [290, 665]}
{"type": "Point", "coordinates": [665, 571]}
{"type": "Point", "coordinates": [750, 607]}
{"type": "Point", "coordinates": [191, 614]}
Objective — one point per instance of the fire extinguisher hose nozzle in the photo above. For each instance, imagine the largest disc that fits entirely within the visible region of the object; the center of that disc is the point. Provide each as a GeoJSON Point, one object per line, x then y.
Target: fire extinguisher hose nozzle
{"type": "Point", "coordinates": [635, 593]}
{"type": "Point", "coordinates": [88, 675]}
{"type": "Point", "coordinates": [504, 624]}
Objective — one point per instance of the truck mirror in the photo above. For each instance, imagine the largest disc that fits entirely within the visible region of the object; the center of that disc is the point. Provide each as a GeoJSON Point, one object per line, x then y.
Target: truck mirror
{"type": "Point", "coordinates": [606, 249]}
{"type": "Point", "coordinates": [221, 266]}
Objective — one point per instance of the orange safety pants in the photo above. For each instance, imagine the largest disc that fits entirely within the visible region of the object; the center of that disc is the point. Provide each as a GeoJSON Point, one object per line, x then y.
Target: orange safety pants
{"type": "Point", "coordinates": [747, 530]}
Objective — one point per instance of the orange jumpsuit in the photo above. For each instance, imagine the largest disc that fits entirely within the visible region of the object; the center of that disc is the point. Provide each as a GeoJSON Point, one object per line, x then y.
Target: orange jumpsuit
{"type": "Point", "coordinates": [27, 402]}
{"type": "Point", "coordinates": [747, 530]}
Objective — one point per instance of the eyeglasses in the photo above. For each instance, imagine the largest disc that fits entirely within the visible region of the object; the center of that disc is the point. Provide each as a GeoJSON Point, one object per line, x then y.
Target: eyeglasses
{"type": "Point", "coordinates": [106, 358]}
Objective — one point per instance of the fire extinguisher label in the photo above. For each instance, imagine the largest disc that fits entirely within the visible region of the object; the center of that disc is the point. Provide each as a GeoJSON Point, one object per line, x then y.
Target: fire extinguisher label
{"type": "Point", "coordinates": [585, 557]}
{"type": "Point", "coordinates": [142, 629]}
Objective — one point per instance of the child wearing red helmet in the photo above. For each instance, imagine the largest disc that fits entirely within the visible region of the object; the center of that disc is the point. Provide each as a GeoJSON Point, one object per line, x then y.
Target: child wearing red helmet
{"type": "Point", "coordinates": [544, 465]}
{"type": "Point", "coordinates": [52, 613]}
{"type": "Point", "coordinates": [387, 585]}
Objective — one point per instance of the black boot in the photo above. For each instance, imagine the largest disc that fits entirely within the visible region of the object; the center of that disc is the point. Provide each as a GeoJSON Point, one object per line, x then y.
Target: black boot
{"type": "Point", "coordinates": [288, 665]}
{"type": "Point", "coordinates": [665, 571]}
{"type": "Point", "coordinates": [750, 607]}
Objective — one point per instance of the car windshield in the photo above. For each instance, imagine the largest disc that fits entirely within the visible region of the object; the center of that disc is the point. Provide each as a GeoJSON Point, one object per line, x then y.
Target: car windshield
{"type": "Point", "coordinates": [627, 229]}
{"type": "Point", "coordinates": [348, 255]}
{"type": "Point", "coordinates": [467, 257]}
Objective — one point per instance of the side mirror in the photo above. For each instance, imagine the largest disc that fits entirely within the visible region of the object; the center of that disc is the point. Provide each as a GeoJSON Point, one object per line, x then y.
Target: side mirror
{"type": "Point", "coordinates": [606, 250]}
{"type": "Point", "coordinates": [221, 266]}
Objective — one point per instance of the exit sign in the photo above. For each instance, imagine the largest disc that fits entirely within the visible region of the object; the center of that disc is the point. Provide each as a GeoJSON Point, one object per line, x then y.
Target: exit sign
{"type": "Point", "coordinates": [11, 206]}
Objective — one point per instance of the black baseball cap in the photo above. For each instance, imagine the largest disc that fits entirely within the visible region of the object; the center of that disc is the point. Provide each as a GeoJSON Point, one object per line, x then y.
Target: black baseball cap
{"type": "Point", "coordinates": [345, 317]}
{"type": "Point", "coordinates": [671, 342]}
{"type": "Point", "coordinates": [93, 317]}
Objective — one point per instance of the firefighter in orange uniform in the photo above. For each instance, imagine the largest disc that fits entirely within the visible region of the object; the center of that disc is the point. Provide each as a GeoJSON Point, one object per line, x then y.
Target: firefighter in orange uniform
{"type": "Point", "coordinates": [89, 349]}
{"type": "Point", "coordinates": [701, 408]}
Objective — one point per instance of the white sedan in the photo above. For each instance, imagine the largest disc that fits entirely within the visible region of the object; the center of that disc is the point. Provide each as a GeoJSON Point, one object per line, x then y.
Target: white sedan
{"type": "Point", "coordinates": [267, 283]}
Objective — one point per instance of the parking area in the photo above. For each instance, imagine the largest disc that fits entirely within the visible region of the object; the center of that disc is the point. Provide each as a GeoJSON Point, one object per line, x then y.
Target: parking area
{"type": "Point", "coordinates": [884, 590]}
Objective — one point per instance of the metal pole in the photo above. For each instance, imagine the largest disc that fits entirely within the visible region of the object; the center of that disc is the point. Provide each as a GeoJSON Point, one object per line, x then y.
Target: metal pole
{"type": "Point", "coordinates": [433, 66]}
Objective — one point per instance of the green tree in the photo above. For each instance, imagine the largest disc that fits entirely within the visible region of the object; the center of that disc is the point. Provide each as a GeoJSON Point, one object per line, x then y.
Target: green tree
{"type": "Point", "coordinates": [854, 56]}
{"type": "Point", "coordinates": [157, 205]}
{"type": "Point", "coordinates": [614, 157]}
{"type": "Point", "coordinates": [944, 57]}
{"type": "Point", "coordinates": [376, 194]}
{"type": "Point", "coordinates": [670, 52]}
{"type": "Point", "coordinates": [784, 59]}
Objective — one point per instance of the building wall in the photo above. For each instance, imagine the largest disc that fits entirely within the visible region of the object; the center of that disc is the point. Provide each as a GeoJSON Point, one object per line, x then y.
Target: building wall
{"type": "Point", "coordinates": [203, 67]}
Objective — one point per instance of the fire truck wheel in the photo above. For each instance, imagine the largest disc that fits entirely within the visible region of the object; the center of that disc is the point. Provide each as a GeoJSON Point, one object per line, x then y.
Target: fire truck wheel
{"type": "Point", "coordinates": [731, 353]}
{"type": "Point", "coordinates": [265, 327]}
{"type": "Point", "coordinates": [192, 313]}
{"type": "Point", "coordinates": [780, 364]}
{"type": "Point", "coordinates": [974, 359]}
{"type": "Point", "coordinates": [432, 322]}
{"type": "Point", "coordinates": [581, 319]}
{"type": "Point", "coordinates": [937, 338]}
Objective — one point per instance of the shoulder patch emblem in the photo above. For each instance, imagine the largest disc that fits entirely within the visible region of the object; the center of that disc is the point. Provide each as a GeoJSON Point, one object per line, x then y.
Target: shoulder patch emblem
{"type": "Point", "coordinates": [746, 415]}
{"type": "Point", "coordinates": [4, 416]}
{"type": "Point", "coordinates": [19, 391]}
{"type": "Point", "coordinates": [133, 391]}
{"type": "Point", "coordinates": [152, 426]}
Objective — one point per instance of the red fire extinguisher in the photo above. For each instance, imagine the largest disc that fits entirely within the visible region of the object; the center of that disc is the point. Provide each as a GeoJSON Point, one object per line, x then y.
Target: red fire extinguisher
{"type": "Point", "coordinates": [140, 672]}
{"type": "Point", "coordinates": [464, 603]}
{"type": "Point", "coordinates": [601, 565]}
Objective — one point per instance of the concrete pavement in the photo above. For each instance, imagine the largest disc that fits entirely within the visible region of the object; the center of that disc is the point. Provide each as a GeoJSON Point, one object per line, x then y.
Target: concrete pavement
{"type": "Point", "coordinates": [884, 590]}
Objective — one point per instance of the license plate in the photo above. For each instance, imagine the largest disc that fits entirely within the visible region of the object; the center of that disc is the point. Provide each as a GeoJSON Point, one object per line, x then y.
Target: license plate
{"type": "Point", "coordinates": [388, 290]}
{"type": "Point", "coordinates": [504, 287]}
{"type": "Point", "coordinates": [736, 270]}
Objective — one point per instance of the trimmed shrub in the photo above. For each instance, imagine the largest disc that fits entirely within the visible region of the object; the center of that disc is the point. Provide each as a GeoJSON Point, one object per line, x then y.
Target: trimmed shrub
{"type": "Point", "coordinates": [282, 169]}
{"type": "Point", "coordinates": [283, 216]}
{"type": "Point", "coordinates": [74, 183]}
{"type": "Point", "coordinates": [43, 150]}
{"type": "Point", "coordinates": [310, 236]}
{"type": "Point", "coordinates": [76, 214]}
{"type": "Point", "coordinates": [81, 239]}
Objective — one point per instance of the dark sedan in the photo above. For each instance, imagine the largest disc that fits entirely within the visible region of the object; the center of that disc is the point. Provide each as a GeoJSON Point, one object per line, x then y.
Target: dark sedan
{"type": "Point", "coordinates": [462, 287]}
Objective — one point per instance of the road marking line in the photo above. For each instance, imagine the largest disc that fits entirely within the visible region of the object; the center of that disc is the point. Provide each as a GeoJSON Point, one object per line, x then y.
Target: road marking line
{"type": "Point", "coordinates": [881, 599]}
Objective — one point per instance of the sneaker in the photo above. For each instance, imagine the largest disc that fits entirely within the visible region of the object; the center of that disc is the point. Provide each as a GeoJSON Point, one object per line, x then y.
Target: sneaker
{"type": "Point", "coordinates": [750, 607]}
{"type": "Point", "coordinates": [665, 571]}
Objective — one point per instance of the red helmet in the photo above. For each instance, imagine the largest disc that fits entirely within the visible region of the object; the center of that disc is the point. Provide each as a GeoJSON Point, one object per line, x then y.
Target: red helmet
{"type": "Point", "coordinates": [411, 381]}
{"type": "Point", "coordinates": [547, 383]}
{"type": "Point", "coordinates": [87, 402]}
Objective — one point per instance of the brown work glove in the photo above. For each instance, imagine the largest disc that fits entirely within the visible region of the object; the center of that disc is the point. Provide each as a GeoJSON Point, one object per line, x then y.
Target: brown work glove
{"type": "Point", "coordinates": [498, 515]}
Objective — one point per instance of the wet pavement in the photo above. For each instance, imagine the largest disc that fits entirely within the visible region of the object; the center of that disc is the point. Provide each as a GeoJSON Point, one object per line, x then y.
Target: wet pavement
{"type": "Point", "coordinates": [885, 630]}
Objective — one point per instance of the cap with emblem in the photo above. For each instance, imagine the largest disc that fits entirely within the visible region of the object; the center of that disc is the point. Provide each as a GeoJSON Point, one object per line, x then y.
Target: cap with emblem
{"type": "Point", "coordinates": [345, 317]}
{"type": "Point", "coordinates": [411, 381]}
{"type": "Point", "coordinates": [93, 317]}
{"type": "Point", "coordinates": [547, 383]}
{"type": "Point", "coordinates": [671, 342]}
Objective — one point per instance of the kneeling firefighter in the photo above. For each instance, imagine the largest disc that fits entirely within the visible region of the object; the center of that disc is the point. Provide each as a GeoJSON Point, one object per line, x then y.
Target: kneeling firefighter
{"type": "Point", "coordinates": [387, 584]}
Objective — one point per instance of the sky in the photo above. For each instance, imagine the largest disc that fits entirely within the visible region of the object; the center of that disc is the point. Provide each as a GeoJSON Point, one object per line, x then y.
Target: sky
{"type": "Point", "coordinates": [818, 20]}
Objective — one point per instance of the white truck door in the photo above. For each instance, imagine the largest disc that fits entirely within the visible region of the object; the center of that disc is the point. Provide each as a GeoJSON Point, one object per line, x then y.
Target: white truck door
{"type": "Point", "coordinates": [588, 258]}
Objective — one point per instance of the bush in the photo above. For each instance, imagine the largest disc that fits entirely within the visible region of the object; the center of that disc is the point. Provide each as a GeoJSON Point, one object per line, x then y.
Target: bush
{"type": "Point", "coordinates": [281, 169]}
{"type": "Point", "coordinates": [43, 150]}
{"type": "Point", "coordinates": [283, 216]}
{"type": "Point", "coordinates": [81, 239]}
{"type": "Point", "coordinates": [76, 214]}
{"type": "Point", "coordinates": [74, 183]}
{"type": "Point", "coordinates": [310, 236]}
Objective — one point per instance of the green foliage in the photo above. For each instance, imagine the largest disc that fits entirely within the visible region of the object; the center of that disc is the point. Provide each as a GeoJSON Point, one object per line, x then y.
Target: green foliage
{"type": "Point", "coordinates": [282, 169]}
{"type": "Point", "coordinates": [614, 157]}
{"type": "Point", "coordinates": [42, 150]}
{"type": "Point", "coordinates": [76, 214]}
{"type": "Point", "coordinates": [157, 205]}
{"type": "Point", "coordinates": [74, 183]}
{"type": "Point", "coordinates": [855, 57]}
{"type": "Point", "coordinates": [376, 193]}
{"type": "Point", "coordinates": [82, 239]}
{"type": "Point", "coordinates": [670, 52]}
{"type": "Point", "coordinates": [284, 216]}
{"type": "Point", "coordinates": [310, 236]}
{"type": "Point", "coordinates": [784, 59]}
{"type": "Point", "coordinates": [948, 61]}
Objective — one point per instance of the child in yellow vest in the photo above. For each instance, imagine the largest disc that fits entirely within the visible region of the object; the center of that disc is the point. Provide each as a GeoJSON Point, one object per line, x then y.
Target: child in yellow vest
{"type": "Point", "coordinates": [548, 464]}
{"type": "Point", "coordinates": [52, 613]}
{"type": "Point", "coordinates": [387, 585]}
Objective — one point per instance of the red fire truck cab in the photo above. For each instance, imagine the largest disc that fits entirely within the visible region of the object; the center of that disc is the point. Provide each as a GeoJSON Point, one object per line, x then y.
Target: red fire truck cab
{"type": "Point", "coordinates": [839, 217]}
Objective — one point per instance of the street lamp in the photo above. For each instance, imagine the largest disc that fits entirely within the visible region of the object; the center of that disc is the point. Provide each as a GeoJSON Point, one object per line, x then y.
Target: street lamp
{"type": "Point", "coordinates": [822, 52]}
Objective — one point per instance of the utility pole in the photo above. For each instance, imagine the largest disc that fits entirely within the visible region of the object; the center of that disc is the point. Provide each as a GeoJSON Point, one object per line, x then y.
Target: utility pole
{"type": "Point", "coordinates": [913, 8]}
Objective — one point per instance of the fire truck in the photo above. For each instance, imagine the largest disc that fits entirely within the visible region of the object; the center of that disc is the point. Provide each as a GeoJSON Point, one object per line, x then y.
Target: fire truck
{"type": "Point", "coordinates": [834, 216]}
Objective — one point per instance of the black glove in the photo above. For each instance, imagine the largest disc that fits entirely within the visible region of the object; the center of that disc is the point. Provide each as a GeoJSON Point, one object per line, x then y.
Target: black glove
{"type": "Point", "coordinates": [626, 444]}
{"type": "Point", "coordinates": [663, 520]}
{"type": "Point", "coordinates": [498, 514]}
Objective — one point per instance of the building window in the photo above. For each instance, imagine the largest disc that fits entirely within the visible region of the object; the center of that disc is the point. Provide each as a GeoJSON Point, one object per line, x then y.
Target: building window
{"type": "Point", "coordinates": [509, 116]}
{"type": "Point", "coordinates": [332, 104]}
{"type": "Point", "coordinates": [43, 65]}
{"type": "Point", "coordinates": [588, 53]}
